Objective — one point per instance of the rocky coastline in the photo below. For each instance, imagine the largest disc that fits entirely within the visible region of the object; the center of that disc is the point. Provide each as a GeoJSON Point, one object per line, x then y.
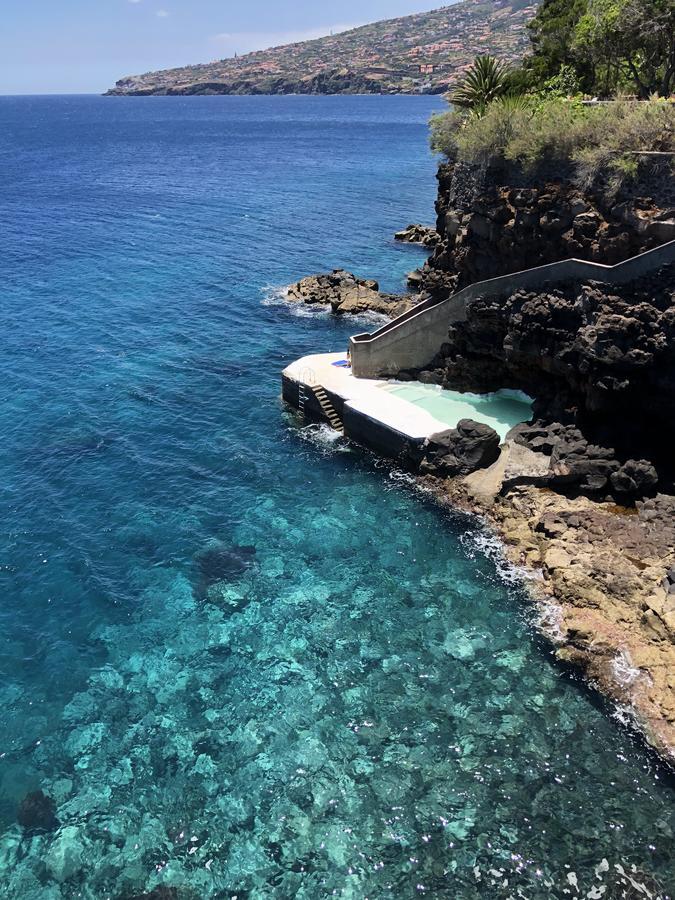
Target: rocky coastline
{"type": "Point", "coordinates": [344, 293]}
{"type": "Point", "coordinates": [493, 220]}
{"type": "Point", "coordinates": [424, 235]}
{"type": "Point", "coordinates": [603, 578]}
{"type": "Point", "coordinates": [583, 496]}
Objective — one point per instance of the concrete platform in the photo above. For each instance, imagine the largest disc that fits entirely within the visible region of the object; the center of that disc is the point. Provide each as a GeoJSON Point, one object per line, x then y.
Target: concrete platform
{"type": "Point", "coordinates": [371, 415]}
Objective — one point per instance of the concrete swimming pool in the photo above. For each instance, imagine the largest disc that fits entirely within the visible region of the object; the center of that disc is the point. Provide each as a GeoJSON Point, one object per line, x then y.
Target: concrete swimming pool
{"type": "Point", "coordinates": [389, 416]}
{"type": "Point", "coordinates": [501, 410]}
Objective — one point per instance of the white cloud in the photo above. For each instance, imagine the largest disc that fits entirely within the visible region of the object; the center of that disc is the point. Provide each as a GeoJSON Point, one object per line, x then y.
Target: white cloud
{"type": "Point", "coordinates": [245, 41]}
{"type": "Point", "coordinates": [134, 1]}
{"type": "Point", "coordinates": [162, 13]}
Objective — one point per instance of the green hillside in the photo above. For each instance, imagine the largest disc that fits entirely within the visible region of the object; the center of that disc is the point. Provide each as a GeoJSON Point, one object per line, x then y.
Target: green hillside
{"type": "Point", "coordinates": [422, 53]}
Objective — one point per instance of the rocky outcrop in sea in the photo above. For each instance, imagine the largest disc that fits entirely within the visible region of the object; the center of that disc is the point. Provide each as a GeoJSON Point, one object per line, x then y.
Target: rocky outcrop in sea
{"type": "Point", "coordinates": [425, 235]}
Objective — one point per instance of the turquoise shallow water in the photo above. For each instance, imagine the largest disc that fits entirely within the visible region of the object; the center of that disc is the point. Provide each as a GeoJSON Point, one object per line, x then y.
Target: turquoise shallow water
{"type": "Point", "coordinates": [501, 410]}
{"type": "Point", "coordinates": [243, 659]}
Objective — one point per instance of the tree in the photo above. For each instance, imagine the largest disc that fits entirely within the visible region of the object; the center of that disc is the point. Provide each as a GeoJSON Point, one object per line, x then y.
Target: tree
{"type": "Point", "coordinates": [647, 38]}
{"type": "Point", "coordinates": [552, 35]}
{"type": "Point", "coordinates": [597, 45]}
{"type": "Point", "coordinates": [611, 45]}
{"type": "Point", "coordinates": [628, 43]}
{"type": "Point", "coordinates": [484, 81]}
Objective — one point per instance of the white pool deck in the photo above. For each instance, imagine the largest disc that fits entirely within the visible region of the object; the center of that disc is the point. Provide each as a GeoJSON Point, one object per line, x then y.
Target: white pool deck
{"type": "Point", "coordinates": [365, 395]}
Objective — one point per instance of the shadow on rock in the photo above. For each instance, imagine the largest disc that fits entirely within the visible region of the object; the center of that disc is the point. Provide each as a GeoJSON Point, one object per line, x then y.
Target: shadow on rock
{"type": "Point", "coordinates": [159, 893]}
{"type": "Point", "coordinates": [219, 563]}
{"type": "Point", "coordinates": [37, 813]}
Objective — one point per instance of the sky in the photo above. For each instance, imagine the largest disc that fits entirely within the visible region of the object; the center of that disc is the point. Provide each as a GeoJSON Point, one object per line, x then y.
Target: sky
{"type": "Point", "coordinates": [84, 46]}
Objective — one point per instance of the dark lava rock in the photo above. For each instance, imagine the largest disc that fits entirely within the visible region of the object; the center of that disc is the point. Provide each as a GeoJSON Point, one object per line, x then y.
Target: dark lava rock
{"type": "Point", "coordinates": [587, 467]}
{"type": "Point", "coordinates": [159, 893]}
{"type": "Point", "coordinates": [37, 812]}
{"type": "Point", "coordinates": [415, 279]}
{"type": "Point", "coordinates": [574, 461]}
{"type": "Point", "coordinates": [636, 478]}
{"type": "Point", "coordinates": [461, 450]}
{"type": "Point", "coordinates": [600, 355]}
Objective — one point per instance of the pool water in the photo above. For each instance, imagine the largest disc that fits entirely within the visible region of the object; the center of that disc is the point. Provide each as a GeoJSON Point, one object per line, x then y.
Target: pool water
{"type": "Point", "coordinates": [500, 410]}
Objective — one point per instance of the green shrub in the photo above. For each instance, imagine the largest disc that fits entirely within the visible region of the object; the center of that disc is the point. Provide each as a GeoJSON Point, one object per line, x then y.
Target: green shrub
{"type": "Point", "coordinates": [533, 129]}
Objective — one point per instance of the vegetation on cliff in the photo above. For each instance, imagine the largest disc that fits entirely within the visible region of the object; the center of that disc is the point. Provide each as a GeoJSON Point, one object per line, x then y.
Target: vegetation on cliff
{"type": "Point", "coordinates": [530, 129]}
{"type": "Point", "coordinates": [537, 113]}
{"type": "Point", "coordinates": [484, 82]}
{"type": "Point", "coordinates": [609, 46]}
{"type": "Point", "coordinates": [418, 53]}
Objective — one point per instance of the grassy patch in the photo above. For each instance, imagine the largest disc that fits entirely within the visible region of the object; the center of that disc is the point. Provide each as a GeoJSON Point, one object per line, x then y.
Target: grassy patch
{"type": "Point", "coordinates": [531, 130]}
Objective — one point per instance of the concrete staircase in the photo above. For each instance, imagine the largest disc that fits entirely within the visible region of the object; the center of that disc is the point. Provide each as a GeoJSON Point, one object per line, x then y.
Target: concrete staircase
{"type": "Point", "coordinates": [413, 339]}
{"type": "Point", "coordinates": [328, 408]}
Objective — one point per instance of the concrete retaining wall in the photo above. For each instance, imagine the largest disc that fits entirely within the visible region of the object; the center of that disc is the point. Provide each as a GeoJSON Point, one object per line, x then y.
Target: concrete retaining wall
{"type": "Point", "coordinates": [412, 340]}
{"type": "Point", "coordinates": [360, 427]}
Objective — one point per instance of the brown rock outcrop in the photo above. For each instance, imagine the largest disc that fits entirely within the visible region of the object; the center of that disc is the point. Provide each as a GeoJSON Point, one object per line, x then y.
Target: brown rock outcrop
{"type": "Point", "coordinates": [605, 583]}
{"type": "Point", "coordinates": [345, 293]}
{"type": "Point", "coordinates": [425, 235]}
{"type": "Point", "coordinates": [607, 570]}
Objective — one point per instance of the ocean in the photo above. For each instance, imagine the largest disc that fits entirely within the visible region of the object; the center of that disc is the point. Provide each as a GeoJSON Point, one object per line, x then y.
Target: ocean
{"type": "Point", "coordinates": [243, 658]}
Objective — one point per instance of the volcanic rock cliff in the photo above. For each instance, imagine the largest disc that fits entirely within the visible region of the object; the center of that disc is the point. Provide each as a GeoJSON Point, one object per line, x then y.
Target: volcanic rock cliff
{"type": "Point", "coordinates": [595, 357]}
{"type": "Point", "coordinates": [584, 494]}
{"type": "Point", "coordinates": [599, 361]}
{"type": "Point", "coordinates": [501, 219]}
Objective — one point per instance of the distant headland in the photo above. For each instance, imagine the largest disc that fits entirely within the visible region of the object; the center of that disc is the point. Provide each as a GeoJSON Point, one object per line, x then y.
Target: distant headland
{"type": "Point", "coordinates": [421, 53]}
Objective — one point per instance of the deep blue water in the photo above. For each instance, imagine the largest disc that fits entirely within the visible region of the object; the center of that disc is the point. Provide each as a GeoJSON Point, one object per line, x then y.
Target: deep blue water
{"type": "Point", "coordinates": [244, 659]}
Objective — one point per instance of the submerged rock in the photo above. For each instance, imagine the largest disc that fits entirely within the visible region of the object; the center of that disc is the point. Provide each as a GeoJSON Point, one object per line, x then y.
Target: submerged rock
{"type": "Point", "coordinates": [230, 598]}
{"type": "Point", "coordinates": [37, 812]}
{"type": "Point", "coordinates": [219, 562]}
{"type": "Point", "coordinates": [162, 892]}
{"type": "Point", "coordinates": [345, 293]}
{"type": "Point", "coordinates": [66, 855]}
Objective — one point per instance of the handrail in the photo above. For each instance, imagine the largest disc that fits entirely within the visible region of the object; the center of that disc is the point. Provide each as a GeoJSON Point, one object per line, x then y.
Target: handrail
{"type": "Point", "coordinates": [408, 314]}
{"type": "Point", "coordinates": [415, 337]}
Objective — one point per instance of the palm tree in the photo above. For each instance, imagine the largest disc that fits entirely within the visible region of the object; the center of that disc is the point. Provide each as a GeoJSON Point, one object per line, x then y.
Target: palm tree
{"type": "Point", "coordinates": [485, 80]}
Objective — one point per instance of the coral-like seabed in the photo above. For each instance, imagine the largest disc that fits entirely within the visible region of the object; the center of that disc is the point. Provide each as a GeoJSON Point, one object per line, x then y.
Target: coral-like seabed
{"type": "Point", "coordinates": [360, 712]}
